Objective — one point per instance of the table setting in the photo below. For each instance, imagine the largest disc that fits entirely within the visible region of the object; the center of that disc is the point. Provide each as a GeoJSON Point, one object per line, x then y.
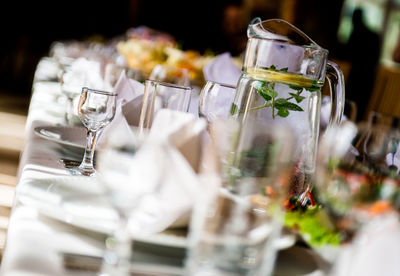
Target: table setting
{"type": "Point", "coordinates": [144, 159]}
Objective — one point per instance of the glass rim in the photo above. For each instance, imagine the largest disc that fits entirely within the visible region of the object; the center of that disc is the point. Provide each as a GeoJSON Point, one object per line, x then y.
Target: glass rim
{"type": "Point", "coordinates": [281, 41]}
{"type": "Point", "coordinates": [98, 91]}
{"type": "Point", "coordinates": [168, 84]}
{"type": "Point", "coordinates": [221, 84]}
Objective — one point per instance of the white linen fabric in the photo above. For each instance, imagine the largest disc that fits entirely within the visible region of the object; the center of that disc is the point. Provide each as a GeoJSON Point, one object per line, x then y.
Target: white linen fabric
{"type": "Point", "coordinates": [221, 69]}
{"type": "Point", "coordinates": [171, 161]}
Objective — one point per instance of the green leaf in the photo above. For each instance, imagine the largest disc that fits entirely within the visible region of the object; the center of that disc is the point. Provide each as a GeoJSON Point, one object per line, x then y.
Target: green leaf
{"type": "Point", "coordinates": [283, 103]}
{"type": "Point", "coordinates": [295, 87]}
{"type": "Point", "coordinates": [234, 109]}
{"type": "Point", "coordinates": [283, 69]}
{"type": "Point", "coordinates": [297, 97]}
{"type": "Point", "coordinates": [272, 67]}
{"type": "Point", "coordinates": [266, 92]}
{"type": "Point", "coordinates": [283, 112]}
{"type": "Point", "coordinates": [312, 88]}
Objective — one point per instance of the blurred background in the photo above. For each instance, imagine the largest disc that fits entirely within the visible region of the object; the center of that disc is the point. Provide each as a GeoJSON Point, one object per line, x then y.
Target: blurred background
{"type": "Point", "coordinates": [358, 43]}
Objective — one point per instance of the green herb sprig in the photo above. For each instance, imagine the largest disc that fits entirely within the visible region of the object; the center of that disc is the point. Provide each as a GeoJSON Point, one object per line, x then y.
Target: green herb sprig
{"type": "Point", "coordinates": [279, 106]}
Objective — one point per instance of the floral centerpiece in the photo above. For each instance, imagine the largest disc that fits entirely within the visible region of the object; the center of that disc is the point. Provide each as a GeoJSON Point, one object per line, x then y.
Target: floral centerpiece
{"type": "Point", "coordinates": [145, 48]}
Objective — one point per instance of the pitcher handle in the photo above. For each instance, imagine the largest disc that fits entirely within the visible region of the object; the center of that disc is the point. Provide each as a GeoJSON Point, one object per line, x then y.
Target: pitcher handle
{"type": "Point", "coordinates": [337, 92]}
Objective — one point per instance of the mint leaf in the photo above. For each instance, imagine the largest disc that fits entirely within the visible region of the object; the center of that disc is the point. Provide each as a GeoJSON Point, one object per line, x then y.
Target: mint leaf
{"type": "Point", "coordinates": [283, 112]}
{"type": "Point", "coordinates": [234, 109]}
{"type": "Point", "coordinates": [273, 67]}
{"type": "Point", "coordinates": [295, 87]}
{"type": "Point", "coordinates": [312, 88]}
{"type": "Point", "coordinates": [266, 92]}
{"type": "Point", "coordinates": [283, 103]}
{"type": "Point", "coordinates": [297, 97]}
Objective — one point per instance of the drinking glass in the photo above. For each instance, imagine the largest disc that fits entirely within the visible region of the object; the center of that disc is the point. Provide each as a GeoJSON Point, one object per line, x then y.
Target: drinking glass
{"type": "Point", "coordinates": [159, 95]}
{"type": "Point", "coordinates": [121, 173]}
{"type": "Point", "coordinates": [96, 110]}
{"type": "Point", "coordinates": [354, 187]}
{"type": "Point", "coordinates": [215, 100]}
{"type": "Point", "coordinates": [170, 74]}
{"type": "Point", "coordinates": [234, 230]}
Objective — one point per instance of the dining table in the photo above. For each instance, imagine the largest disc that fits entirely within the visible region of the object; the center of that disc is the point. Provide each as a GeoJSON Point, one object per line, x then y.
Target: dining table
{"type": "Point", "coordinates": [59, 227]}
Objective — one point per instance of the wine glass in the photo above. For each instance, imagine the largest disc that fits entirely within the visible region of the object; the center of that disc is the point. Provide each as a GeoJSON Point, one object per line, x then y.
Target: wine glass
{"type": "Point", "coordinates": [96, 110]}
{"type": "Point", "coordinates": [127, 177]}
{"type": "Point", "coordinates": [237, 222]}
{"type": "Point", "coordinates": [215, 100]}
{"type": "Point", "coordinates": [353, 189]}
{"type": "Point", "coordinates": [170, 74]}
{"type": "Point", "coordinates": [159, 95]}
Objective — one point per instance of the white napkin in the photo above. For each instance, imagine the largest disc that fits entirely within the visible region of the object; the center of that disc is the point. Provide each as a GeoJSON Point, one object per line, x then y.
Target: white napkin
{"type": "Point", "coordinates": [183, 131]}
{"type": "Point", "coordinates": [221, 69]}
{"type": "Point", "coordinates": [85, 72]}
{"type": "Point", "coordinates": [165, 169]}
{"type": "Point", "coordinates": [129, 104]}
{"type": "Point", "coordinates": [128, 89]}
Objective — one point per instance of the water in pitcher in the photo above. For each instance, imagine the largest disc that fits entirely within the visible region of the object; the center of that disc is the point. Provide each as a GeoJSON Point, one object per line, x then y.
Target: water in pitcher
{"type": "Point", "coordinates": [289, 99]}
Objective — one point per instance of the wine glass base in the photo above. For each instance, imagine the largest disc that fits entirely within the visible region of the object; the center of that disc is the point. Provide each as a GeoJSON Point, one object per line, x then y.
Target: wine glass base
{"type": "Point", "coordinates": [81, 172]}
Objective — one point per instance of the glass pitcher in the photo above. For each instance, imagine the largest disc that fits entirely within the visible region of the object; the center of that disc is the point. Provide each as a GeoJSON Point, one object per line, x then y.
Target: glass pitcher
{"type": "Point", "coordinates": [282, 76]}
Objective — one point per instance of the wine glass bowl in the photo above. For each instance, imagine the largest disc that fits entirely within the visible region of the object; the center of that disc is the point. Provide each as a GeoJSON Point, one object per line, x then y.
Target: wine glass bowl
{"type": "Point", "coordinates": [215, 100]}
{"type": "Point", "coordinates": [96, 108]}
{"type": "Point", "coordinates": [158, 95]}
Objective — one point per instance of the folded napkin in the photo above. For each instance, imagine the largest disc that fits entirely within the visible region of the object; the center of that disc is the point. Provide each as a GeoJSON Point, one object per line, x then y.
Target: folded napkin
{"type": "Point", "coordinates": [183, 131]}
{"type": "Point", "coordinates": [129, 104]}
{"type": "Point", "coordinates": [167, 163]}
{"type": "Point", "coordinates": [221, 69]}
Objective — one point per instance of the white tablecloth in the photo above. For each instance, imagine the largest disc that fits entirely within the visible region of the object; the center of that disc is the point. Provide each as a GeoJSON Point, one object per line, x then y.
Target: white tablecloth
{"type": "Point", "coordinates": [35, 241]}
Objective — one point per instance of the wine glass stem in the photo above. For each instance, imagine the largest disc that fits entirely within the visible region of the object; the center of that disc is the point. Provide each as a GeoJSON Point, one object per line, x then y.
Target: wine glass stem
{"type": "Point", "coordinates": [87, 163]}
{"type": "Point", "coordinates": [117, 258]}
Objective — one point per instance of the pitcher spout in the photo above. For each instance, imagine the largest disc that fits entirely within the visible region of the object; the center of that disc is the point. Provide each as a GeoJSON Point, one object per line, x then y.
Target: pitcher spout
{"type": "Point", "coordinates": [278, 30]}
